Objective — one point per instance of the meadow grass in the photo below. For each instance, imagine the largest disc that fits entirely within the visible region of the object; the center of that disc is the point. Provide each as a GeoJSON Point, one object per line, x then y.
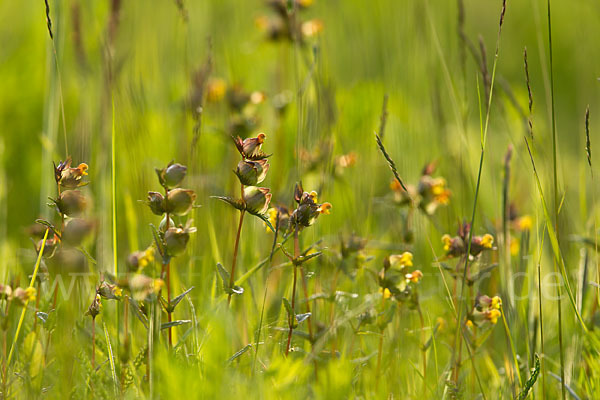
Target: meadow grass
{"type": "Point", "coordinates": [419, 219]}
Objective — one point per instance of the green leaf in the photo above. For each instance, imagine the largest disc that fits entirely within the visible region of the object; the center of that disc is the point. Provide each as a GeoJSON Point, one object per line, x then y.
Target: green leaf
{"type": "Point", "coordinates": [554, 241]}
{"type": "Point", "coordinates": [237, 204]}
{"type": "Point", "coordinates": [171, 324]}
{"type": "Point", "coordinates": [177, 299]}
{"type": "Point", "coordinates": [288, 306]}
{"type": "Point", "coordinates": [265, 220]}
{"type": "Point", "coordinates": [239, 353]}
{"type": "Point", "coordinates": [225, 277]}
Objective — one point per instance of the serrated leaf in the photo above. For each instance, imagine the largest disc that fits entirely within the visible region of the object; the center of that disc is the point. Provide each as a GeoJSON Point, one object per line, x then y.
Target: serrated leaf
{"type": "Point", "coordinates": [239, 353]}
{"type": "Point", "coordinates": [288, 306]}
{"type": "Point", "coordinates": [171, 324]}
{"type": "Point", "coordinates": [237, 204]}
{"type": "Point", "coordinates": [265, 220]}
{"type": "Point", "coordinates": [225, 277]}
{"type": "Point", "coordinates": [138, 312]}
{"type": "Point", "coordinates": [177, 299]}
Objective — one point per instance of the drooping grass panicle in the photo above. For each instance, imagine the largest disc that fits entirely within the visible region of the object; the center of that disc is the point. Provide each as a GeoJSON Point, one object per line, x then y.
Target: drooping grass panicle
{"type": "Point", "coordinates": [529, 93]}
{"type": "Point", "coordinates": [588, 144]}
{"type": "Point", "coordinates": [48, 20]}
{"type": "Point", "coordinates": [389, 161]}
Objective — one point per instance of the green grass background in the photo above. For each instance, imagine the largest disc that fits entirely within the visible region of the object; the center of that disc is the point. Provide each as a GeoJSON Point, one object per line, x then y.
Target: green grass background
{"type": "Point", "coordinates": [409, 49]}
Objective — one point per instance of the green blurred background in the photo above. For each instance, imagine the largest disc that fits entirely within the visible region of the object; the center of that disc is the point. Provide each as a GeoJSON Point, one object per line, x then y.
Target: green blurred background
{"type": "Point", "coordinates": [409, 49]}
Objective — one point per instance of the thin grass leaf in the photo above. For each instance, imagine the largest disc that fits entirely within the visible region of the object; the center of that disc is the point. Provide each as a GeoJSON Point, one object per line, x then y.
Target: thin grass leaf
{"type": "Point", "coordinates": [111, 359]}
{"type": "Point", "coordinates": [177, 299]}
{"type": "Point", "coordinates": [171, 324]}
{"type": "Point", "coordinates": [554, 241]}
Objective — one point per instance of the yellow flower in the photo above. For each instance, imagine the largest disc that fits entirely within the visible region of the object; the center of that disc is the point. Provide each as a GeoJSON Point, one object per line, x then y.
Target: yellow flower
{"type": "Point", "coordinates": [30, 294]}
{"type": "Point", "coordinates": [386, 293]}
{"type": "Point", "coordinates": [487, 241]}
{"type": "Point", "coordinates": [469, 324]}
{"type": "Point", "coordinates": [401, 260]}
{"type": "Point", "coordinates": [216, 89]}
{"type": "Point", "coordinates": [493, 316]}
{"type": "Point", "coordinates": [447, 240]}
{"type": "Point", "coordinates": [414, 277]}
{"type": "Point", "coordinates": [496, 302]}
{"type": "Point", "coordinates": [312, 27]}
{"type": "Point", "coordinates": [325, 208]}
{"type": "Point", "coordinates": [313, 195]}
{"type": "Point", "coordinates": [157, 285]}
{"type": "Point", "coordinates": [272, 216]}
{"type": "Point", "coordinates": [514, 246]}
{"type": "Point", "coordinates": [524, 223]}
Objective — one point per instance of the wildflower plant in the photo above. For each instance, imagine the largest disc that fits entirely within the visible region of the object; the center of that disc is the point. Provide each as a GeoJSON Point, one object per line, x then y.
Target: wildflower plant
{"type": "Point", "coordinates": [251, 171]}
{"type": "Point", "coordinates": [171, 240]}
{"type": "Point", "coordinates": [306, 213]}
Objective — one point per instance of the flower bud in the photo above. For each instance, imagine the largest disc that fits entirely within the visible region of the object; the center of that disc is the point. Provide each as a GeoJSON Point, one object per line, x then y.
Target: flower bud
{"type": "Point", "coordinates": [70, 178]}
{"type": "Point", "coordinates": [5, 291]}
{"type": "Point", "coordinates": [71, 202]}
{"type": "Point", "coordinates": [252, 173]}
{"type": "Point", "coordinates": [256, 199]}
{"type": "Point", "coordinates": [180, 201]}
{"type": "Point", "coordinates": [109, 291]}
{"type": "Point", "coordinates": [174, 174]}
{"type": "Point", "coordinates": [251, 148]}
{"type": "Point", "coordinates": [156, 202]}
{"type": "Point", "coordinates": [24, 295]}
{"type": "Point", "coordinates": [95, 308]}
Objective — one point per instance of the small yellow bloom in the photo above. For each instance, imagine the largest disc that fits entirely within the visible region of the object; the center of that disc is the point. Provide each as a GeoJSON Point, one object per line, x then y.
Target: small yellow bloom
{"type": "Point", "coordinates": [447, 240]}
{"type": "Point", "coordinates": [30, 294]}
{"type": "Point", "coordinates": [325, 208]}
{"type": "Point", "coordinates": [312, 27]}
{"type": "Point", "coordinates": [401, 260]}
{"type": "Point", "coordinates": [157, 285]}
{"type": "Point", "coordinates": [414, 277]}
{"type": "Point", "coordinates": [386, 293]}
{"type": "Point", "coordinates": [496, 302]}
{"type": "Point", "coordinates": [524, 223]}
{"type": "Point", "coordinates": [493, 316]}
{"type": "Point", "coordinates": [272, 216]}
{"type": "Point", "coordinates": [469, 324]}
{"type": "Point", "coordinates": [487, 241]}
{"type": "Point", "coordinates": [314, 196]}
{"type": "Point", "coordinates": [216, 89]}
{"type": "Point", "coordinates": [118, 291]}
{"type": "Point", "coordinates": [514, 246]}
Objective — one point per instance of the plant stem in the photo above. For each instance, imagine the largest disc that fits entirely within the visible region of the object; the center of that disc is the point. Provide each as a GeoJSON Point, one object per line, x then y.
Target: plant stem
{"type": "Point", "coordinates": [93, 342]}
{"type": "Point", "coordinates": [235, 254]}
{"type": "Point", "coordinates": [291, 317]}
{"type": "Point", "coordinates": [380, 345]}
{"type": "Point", "coordinates": [423, 349]}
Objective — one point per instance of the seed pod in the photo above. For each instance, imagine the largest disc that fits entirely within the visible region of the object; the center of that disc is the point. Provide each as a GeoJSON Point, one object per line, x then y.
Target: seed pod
{"type": "Point", "coordinates": [156, 202]}
{"type": "Point", "coordinates": [174, 174]}
{"type": "Point", "coordinates": [176, 239]}
{"type": "Point", "coordinates": [257, 199]}
{"type": "Point", "coordinates": [163, 224]}
{"type": "Point", "coordinates": [71, 202]}
{"type": "Point", "coordinates": [180, 201]}
{"type": "Point", "coordinates": [76, 230]}
{"type": "Point", "coordinates": [109, 291]}
{"type": "Point", "coordinates": [252, 173]}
